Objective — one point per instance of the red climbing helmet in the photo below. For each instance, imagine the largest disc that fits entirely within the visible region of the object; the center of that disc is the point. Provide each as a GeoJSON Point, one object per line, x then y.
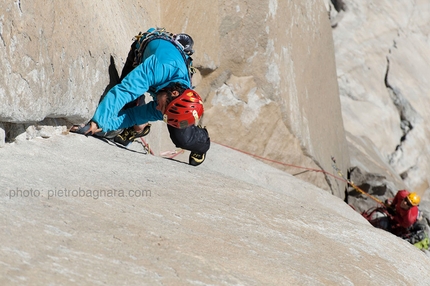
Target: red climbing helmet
{"type": "Point", "coordinates": [184, 110]}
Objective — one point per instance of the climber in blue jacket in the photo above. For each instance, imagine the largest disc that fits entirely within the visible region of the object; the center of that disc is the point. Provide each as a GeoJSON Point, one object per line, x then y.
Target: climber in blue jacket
{"type": "Point", "coordinates": [159, 66]}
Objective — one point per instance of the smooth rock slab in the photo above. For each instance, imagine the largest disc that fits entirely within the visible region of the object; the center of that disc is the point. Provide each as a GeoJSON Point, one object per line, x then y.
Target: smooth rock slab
{"type": "Point", "coordinates": [232, 220]}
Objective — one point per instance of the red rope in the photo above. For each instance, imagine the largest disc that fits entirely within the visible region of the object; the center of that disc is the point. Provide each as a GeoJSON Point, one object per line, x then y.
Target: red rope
{"type": "Point", "coordinates": [308, 169]}
{"type": "Point", "coordinates": [281, 163]}
{"type": "Point", "coordinates": [171, 154]}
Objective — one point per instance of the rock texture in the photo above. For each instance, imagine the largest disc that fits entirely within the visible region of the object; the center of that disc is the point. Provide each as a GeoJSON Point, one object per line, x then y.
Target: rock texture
{"type": "Point", "coordinates": [56, 55]}
{"type": "Point", "coordinates": [77, 210]}
{"type": "Point", "coordinates": [269, 87]}
{"type": "Point", "coordinates": [382, 64]}
{"type": "Point", "coordinates": [272, 83]}
{"type": "Point", "coordinates": [231, 221]}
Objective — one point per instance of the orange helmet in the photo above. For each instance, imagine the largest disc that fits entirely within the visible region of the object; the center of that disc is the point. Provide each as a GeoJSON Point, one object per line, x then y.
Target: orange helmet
{"type": "Point", "coordinates": [184, 110]}
{"type": "Point", "coordinates": [414, 199]}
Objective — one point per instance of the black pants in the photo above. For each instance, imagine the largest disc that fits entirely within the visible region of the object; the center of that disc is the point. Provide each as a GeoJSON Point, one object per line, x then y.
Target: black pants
{"type": "Point", "coordinates": [192, 138]}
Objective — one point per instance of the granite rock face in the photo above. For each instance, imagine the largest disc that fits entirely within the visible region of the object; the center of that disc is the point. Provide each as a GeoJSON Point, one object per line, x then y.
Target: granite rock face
{"type": "Point", "coordinates": [118, 219]}
{"type": "Point", "coordinates": [55, 55]}
{"type": "Point", "coordinates": [266, 71]}
{"type": "Point", "coordinates": [382, 63]}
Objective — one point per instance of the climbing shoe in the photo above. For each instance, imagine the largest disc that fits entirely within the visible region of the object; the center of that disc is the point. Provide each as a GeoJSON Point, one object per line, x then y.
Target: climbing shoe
{"type": "Point", "coordinates": [196, 158]}
{"type": "Point", "coordinates": [110, 134]}
{"type": "Point", "coordinates": [129, 134]}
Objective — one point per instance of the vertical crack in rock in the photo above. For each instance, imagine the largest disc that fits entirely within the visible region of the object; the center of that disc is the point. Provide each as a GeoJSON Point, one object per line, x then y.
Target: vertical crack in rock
{"type": "Point", "coordinates": [1, 31]}
{"type": "Point", "coordinates": [2, 40]}
{"type": "Point", "coordinates": [25, 80]}
{"type": "Point", "coordinates": [407, 116]}
{"type": "Point", "coordinates": [19, 6]}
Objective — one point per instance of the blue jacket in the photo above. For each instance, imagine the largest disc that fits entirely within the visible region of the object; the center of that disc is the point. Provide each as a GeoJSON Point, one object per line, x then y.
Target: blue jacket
{"type": "Point", "coordinates": [161, 65]}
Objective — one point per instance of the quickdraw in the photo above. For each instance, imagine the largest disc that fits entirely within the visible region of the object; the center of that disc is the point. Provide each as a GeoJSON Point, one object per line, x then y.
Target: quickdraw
{"type": "Point", "coordinates": [146, 146]}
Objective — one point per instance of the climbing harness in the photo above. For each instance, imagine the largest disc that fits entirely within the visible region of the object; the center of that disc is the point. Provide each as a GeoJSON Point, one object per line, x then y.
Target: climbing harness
{"type": "Point", "coordinates": [370, 212]}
